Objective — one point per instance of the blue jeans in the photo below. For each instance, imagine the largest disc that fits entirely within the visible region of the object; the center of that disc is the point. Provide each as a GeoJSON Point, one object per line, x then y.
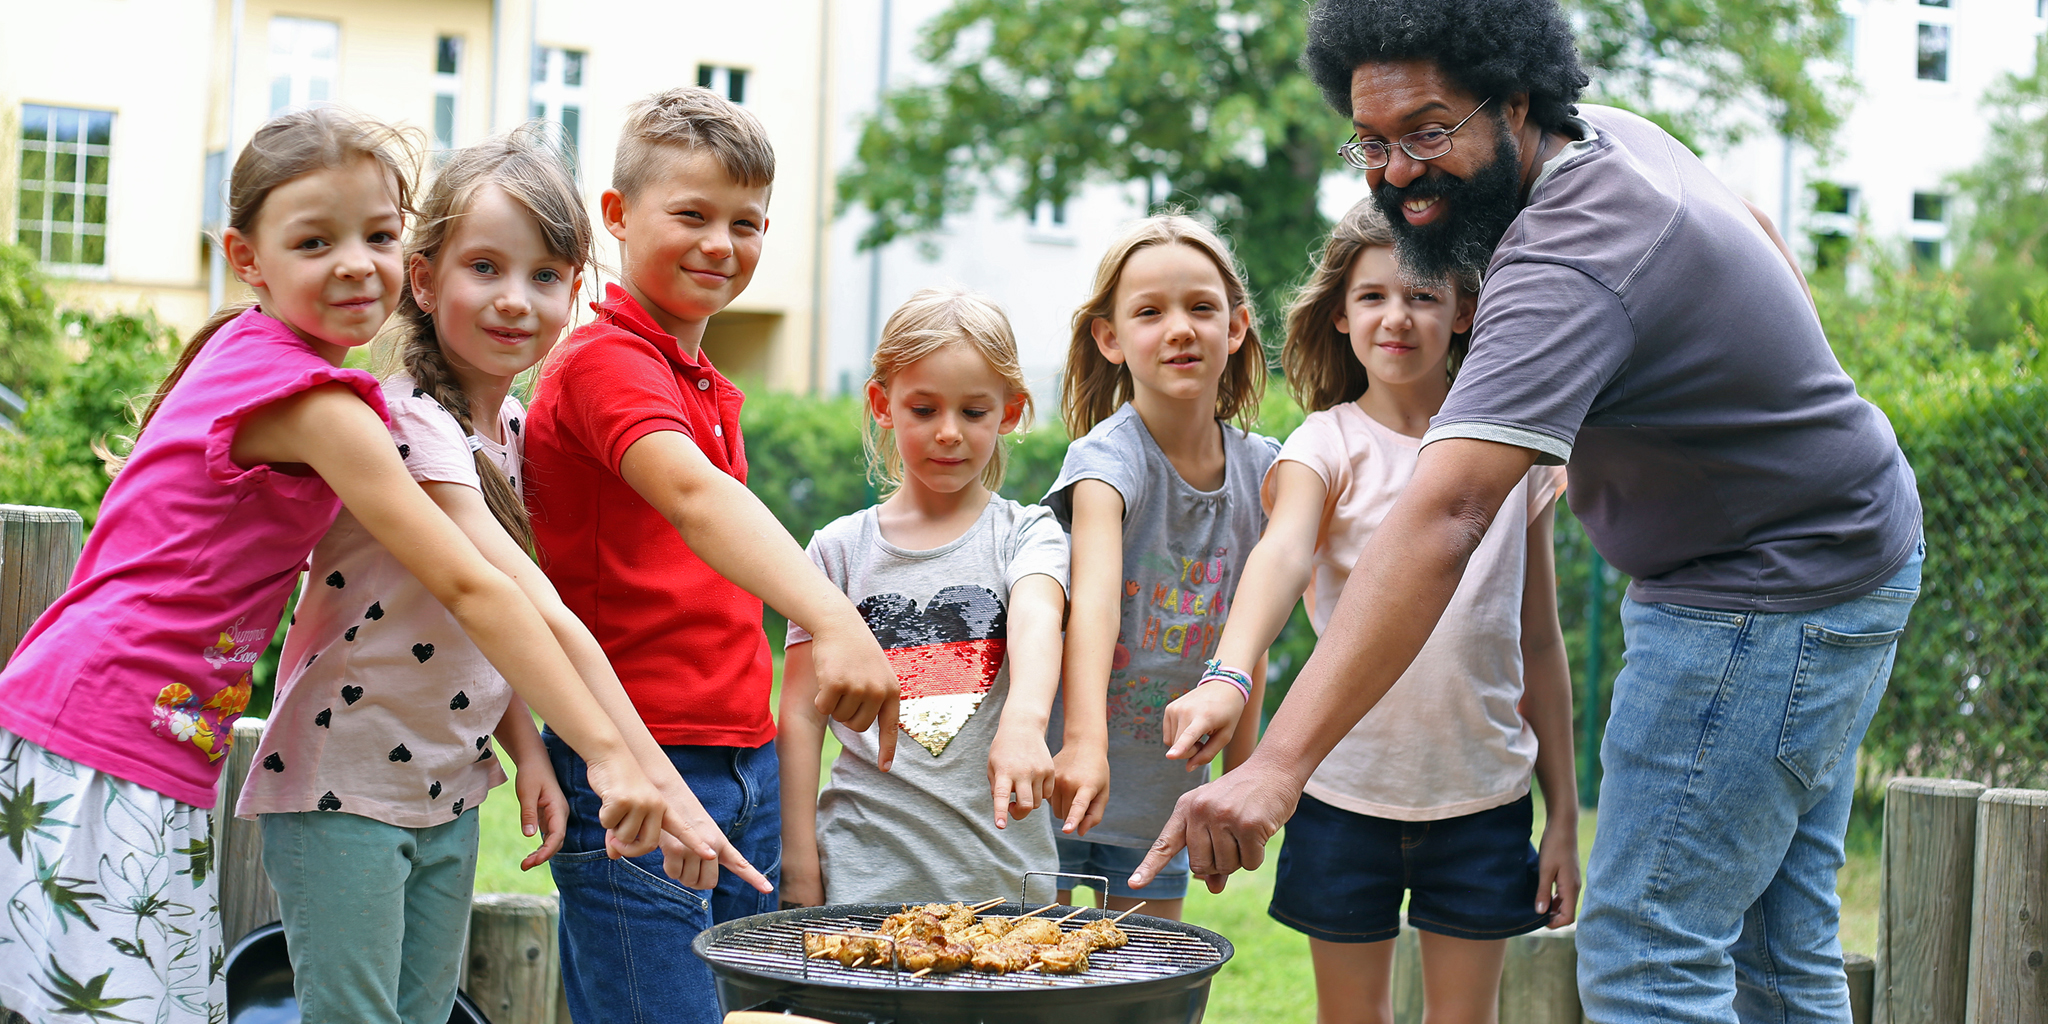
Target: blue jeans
{"type": "Point", "coordinates": [626, 925]}
{"type": "Point", "coordinates": [1730, 761]}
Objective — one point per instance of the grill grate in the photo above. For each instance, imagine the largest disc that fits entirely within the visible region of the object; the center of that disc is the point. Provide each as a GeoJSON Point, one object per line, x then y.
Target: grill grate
{"type": "Point", "coordinates": [776, 948]}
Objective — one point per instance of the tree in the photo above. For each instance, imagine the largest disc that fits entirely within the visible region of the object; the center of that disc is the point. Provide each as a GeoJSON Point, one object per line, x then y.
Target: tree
{"type": "Point", "coordinates": [1200, 103]}
{"type": "Point", "coordinates": [2005, 259]}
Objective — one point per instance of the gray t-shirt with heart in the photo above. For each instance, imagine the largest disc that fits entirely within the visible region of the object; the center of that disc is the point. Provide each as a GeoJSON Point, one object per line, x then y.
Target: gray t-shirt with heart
{"type": "Point", "coordinates": [925, 830]}
{"type": "Point", "coordinates": [1184, 551]}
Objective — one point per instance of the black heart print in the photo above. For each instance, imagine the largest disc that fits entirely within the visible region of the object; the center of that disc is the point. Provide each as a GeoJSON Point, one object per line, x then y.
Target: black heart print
{"type": "Point", "coordinates": [515, 424]}
{"type": "Point", "coordinates": [480, 758]}
{"type": "Point", "coordinates": [311, 660]}
{"type": "Point", "coordinates": [461, 701]}
{"type": "Point", "coordinates": [434, 791]}
{"type": "Point", "coordinates": [334, 580]}
{"type": "Point", "coordinates": [351, 694]}
{"type": "Point", "coordinates": [376, 610]}
{"type": "Point", "coordinates": [457, 808]}
{"type": "Point", "coordinates": [954, 614]}
{"type": "Point", "coordinates": [399, 753]}
{"type": "Point", "coordinates": [325, 716]}
{"type": "Point", "coordinates": [423, 652]}
{"type": "Point", "coordinates": [405, 451]}
{"type": "Point", "coordinates": [481, 740]}
{"type": "Point", "coordinates": [351, 634]}
{"type": "Point", "coordinates": [418, 393]}
{"type": "Point", "coordinates": [275, 762]}
{"type": "Point", "coordinates": [329, 802]}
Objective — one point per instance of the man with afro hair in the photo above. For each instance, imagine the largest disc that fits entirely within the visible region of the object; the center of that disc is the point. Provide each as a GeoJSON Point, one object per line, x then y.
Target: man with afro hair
{"type": "Point", "coordinates": [1644, 326]}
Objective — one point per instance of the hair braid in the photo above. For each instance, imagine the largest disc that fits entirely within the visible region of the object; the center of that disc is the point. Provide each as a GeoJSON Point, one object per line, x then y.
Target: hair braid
{"type": "Point", "coordinates": [428, 367]}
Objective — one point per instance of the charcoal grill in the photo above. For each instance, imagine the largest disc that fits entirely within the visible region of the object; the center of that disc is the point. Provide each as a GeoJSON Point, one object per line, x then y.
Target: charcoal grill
{"type": "Point", "coordinates": [1161, 977]}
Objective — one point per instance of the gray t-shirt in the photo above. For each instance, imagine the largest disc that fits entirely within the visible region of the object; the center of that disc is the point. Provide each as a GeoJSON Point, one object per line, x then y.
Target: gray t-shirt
{"type": "Point", "coordinates": [925, 830]}
{"type": "Point", "coordinates": [1184, 550]}
{"type": "Point", "coordinates": [1639, 326]}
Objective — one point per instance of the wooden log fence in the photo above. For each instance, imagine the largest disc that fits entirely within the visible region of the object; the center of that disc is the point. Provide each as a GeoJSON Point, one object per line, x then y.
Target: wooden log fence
{"type": "Point", "coordinates": [1960, 934]}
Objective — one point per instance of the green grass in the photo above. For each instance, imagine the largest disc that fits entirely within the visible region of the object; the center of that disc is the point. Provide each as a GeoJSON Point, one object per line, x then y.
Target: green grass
{"type": "Point", "coordinates": [1270, 980]}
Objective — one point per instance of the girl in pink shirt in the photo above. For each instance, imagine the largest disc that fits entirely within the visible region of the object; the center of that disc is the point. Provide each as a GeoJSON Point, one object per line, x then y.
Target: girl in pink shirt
{"type": "Point", "coordinates": [1428, 797]}
{"type": "Point", "coordinates": [119, 705]}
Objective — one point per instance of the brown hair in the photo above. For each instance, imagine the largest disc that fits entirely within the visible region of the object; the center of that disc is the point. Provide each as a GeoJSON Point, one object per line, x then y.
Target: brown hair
{"type": "Point", "coordinates": [692, 118]}
{"type": "Point", "coordinates": [287, 147]}
{"type": "Point", "coordinates": [1322, 370]}
{"type": "Point", "coordinates": [926, 322]}
{"type": "Point", "coordinates": [1094, 388]}
{"type": "Point", "coordinates": [531, 171]}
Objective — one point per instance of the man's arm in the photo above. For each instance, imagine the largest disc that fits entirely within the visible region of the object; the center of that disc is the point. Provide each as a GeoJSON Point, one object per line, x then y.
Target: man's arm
{"type": "Point", "coordinates": [1403, 580]}
{"type": "Point", "coordinates": [736, 535]}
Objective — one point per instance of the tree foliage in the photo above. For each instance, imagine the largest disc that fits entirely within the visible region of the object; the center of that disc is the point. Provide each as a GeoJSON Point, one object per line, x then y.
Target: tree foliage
{"type": "Point", "coordinates": [1200, 103]}
{"type": "Point", "coordinates": [2005, 259]}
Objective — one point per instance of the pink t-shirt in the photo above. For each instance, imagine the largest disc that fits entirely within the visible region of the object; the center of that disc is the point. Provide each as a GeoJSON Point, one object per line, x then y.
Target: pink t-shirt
{"type": "Point", "coordinates": [1447, 739]}
{"type": "Point", "coordinates": [141, 668]}
{"type": "Point", "coordinates": [385, 708]}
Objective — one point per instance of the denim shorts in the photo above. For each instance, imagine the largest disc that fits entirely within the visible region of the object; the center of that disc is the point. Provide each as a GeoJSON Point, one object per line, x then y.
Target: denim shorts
{"type": "Point", "coordinates": [1342, 874]}
{"type": "Point", "coordinates": [1081, 857]}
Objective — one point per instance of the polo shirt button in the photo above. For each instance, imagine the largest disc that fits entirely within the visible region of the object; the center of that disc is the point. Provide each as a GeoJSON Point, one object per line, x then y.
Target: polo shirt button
{"type": "Point", "coordinates": [703, 383]}
{"type": "Point", "coordinates": [718, 430]}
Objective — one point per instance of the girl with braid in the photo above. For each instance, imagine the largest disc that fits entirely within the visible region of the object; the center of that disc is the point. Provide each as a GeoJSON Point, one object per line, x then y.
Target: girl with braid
{"type": "Point", "coordinates": [381, 743]}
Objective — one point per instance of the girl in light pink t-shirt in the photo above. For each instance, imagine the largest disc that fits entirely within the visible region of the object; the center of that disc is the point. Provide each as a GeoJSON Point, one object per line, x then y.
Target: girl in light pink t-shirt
{"type": "Point", "coordinates": [1428, 797]}
{"type": "Point", "coordinates": [120, 703]}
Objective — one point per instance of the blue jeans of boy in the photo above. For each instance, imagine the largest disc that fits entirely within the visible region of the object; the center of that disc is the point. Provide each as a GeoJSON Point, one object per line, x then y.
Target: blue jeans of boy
{"type": "Point", "coordinates": [1729, 762]}
{"type": "Point", "coordinates": [626, 925]}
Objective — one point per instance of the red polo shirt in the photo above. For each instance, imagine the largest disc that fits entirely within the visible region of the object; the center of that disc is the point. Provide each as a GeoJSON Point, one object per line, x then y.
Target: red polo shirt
{"type": "Point", "coordinates": [686, 641]}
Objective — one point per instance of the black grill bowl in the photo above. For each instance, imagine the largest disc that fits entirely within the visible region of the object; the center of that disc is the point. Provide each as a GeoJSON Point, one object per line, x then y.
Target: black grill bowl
{"type": "Point", "coordinates": [1173, 990]}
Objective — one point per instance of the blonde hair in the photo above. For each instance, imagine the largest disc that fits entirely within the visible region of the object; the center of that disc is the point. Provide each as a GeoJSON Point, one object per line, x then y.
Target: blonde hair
{"type": "Point", "coordinates": [531, 171]}
{"type": "Point", "coordinates": [692, 118]}
{"type": "Point", "coordinates": [1094, 388]}
{"type": "Point", "coordinates": [927, 322]}
{"type": "Point", "coordinates": [1322, 370]}
{"type": "Point", "coordinates": [287, 147]}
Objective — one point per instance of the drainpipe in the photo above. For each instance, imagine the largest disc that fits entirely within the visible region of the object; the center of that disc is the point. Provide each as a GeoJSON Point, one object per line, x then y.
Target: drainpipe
{"type": "Point", "coordinates": [875, 254]}
{"type": "Point", "coordinates": [497, 61]}
{"type": "Point", "coordinates": [821, 210]}
{"type": "Point", "coordinates": [216, 259]}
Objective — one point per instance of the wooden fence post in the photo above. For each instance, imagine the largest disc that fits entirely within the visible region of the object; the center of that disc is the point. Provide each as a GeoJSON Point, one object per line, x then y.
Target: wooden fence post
{"type": "Point", "coordinates": [1539, 982]}
{"type": "Point", "coordinates": [1923, 922]}
{"type": "Point", "coordinates": [247, 901]}
{"type": "Point", "coordinates": [1862, 974]}
{"type": "Point", "coordinates": [38, 551]}
{"type": "Point", "coordinates": [2008, 980]}
{"type": "Point", "coordinates": [514, 967]}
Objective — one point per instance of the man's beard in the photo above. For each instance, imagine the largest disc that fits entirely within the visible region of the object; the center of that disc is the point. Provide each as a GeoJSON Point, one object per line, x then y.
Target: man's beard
{"type": "Point", "coordinates": [1479, 209]}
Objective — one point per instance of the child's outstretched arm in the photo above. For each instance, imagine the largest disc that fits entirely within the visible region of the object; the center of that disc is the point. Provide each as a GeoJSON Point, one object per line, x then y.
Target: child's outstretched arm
{"type": "Point", "coordinates": [1547, 703]}
{"type": "Point", "coordinates": [1018, 761]}
{"type": "Point", "coordinates": [1081, 771]}
{"type": "Point", "coordinates": [331, 430]}
{"type": "Point", "coordinates": [1275, 574]}
{"type": "Point", "coordinates": [798, 744]}
{"type": "Point", "coordinates": [543, 809]}
{"type": "Point", "coordinates": [693, 845]}
{"type": "Point", "coordinates": [740, 539]}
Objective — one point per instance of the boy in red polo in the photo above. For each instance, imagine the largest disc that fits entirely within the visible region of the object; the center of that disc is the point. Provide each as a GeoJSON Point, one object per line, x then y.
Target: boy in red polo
{"type": "Point", "coordinates": [636, 476]}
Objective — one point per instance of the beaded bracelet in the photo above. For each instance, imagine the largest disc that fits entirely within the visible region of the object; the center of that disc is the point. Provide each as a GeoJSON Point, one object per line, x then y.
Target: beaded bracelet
{"type": "Point", "coordinates": [1213, 670]}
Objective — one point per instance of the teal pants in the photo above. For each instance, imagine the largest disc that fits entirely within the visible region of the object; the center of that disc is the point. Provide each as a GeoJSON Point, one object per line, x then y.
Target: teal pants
{"type": "Point", "coordinates": [376, 915]}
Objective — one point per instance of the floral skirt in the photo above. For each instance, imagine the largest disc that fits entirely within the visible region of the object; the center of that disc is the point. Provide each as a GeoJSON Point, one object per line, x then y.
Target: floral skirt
{"type": "Point", "coordinates": [112, 909]}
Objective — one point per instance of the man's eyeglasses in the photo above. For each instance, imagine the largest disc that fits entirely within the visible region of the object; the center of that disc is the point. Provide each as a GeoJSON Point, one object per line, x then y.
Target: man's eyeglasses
{"type": "Point", "coordinates": [1427, 144]}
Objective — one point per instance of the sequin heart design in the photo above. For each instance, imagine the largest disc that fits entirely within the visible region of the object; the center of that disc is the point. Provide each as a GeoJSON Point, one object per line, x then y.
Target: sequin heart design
{"type": "Point", "coordinates": [945, 656]}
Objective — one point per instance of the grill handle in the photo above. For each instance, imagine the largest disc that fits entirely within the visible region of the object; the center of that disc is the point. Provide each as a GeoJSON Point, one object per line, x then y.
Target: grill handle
{"type": "Point", "coordinates": [895, 962]}
{"type": "Point", "coordinates": [1101, 886]}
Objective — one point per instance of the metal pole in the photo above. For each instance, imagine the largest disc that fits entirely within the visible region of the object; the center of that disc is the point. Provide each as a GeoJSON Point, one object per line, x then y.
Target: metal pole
{"type": "Point", "coordinates": [1589, 728]}
{"type": "Point", "coordinates": [875, 254]}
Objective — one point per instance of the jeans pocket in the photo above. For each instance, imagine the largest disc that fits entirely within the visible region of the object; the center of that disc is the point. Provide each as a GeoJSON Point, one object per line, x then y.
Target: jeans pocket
{"type": "Point", "coordinates": [1835, 674]}
{"type": "Point", "coordinates": [628, 882]}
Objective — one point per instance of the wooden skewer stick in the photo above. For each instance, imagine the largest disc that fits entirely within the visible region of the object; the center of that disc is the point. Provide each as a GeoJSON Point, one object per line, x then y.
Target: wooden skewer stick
{"type": "Point", "coordinates": [1119, 918]}
{"type": "Point", "coordinates": [1031, 968]}
{"type": "Point", "coordinates": [922, 973]}
{"type": "Point", "coordinates": [1072, 916]}
{"type": "Point", "coordinates": [985, 904]}
{"type": "Point", "coordinates": [1039, 911]}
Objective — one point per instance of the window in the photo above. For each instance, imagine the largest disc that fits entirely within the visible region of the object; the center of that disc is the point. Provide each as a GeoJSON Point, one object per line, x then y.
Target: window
{"type": "Point", "coordinates": [730, 83]}
{"type": "Point", "coordinates": [1934, 52]}
{"type": "Point", "coordinates": [558, 93]}
{"type": "Point", "coordinates": [1927, 253]}
{"type": "Point", "coordinates": [1829, 197]}
{"type": "Point", "coordinates": [305, 62]}
{"type": "Point", "coordinates": [447, 89]}
{"type": "Point", "coordinates": [1049, 213]}
{"type": "Point", "coordinates": [61, 211]}
{"type": "Point", "coordinates": [1929, 206]}
{"type": "Point", "coordinates": [1934, 3]}
{"type": "Point", "coordinates": [1830, 251]}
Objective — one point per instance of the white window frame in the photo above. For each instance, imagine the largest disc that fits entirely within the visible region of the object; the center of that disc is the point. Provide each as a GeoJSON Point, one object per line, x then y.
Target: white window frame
{"type": "Point", "coordinates": [1948, 51]}
{"type": "Point", "coordinates": [82, 152]}
{"type": "Point", "coordinates": [305, 58]}
{"type": "Point", "coordinates": [558, 100]}
{"type": "Point", "coordinates": [729, 82]}
{"type": "Point", "coordinates": [448, 87]}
